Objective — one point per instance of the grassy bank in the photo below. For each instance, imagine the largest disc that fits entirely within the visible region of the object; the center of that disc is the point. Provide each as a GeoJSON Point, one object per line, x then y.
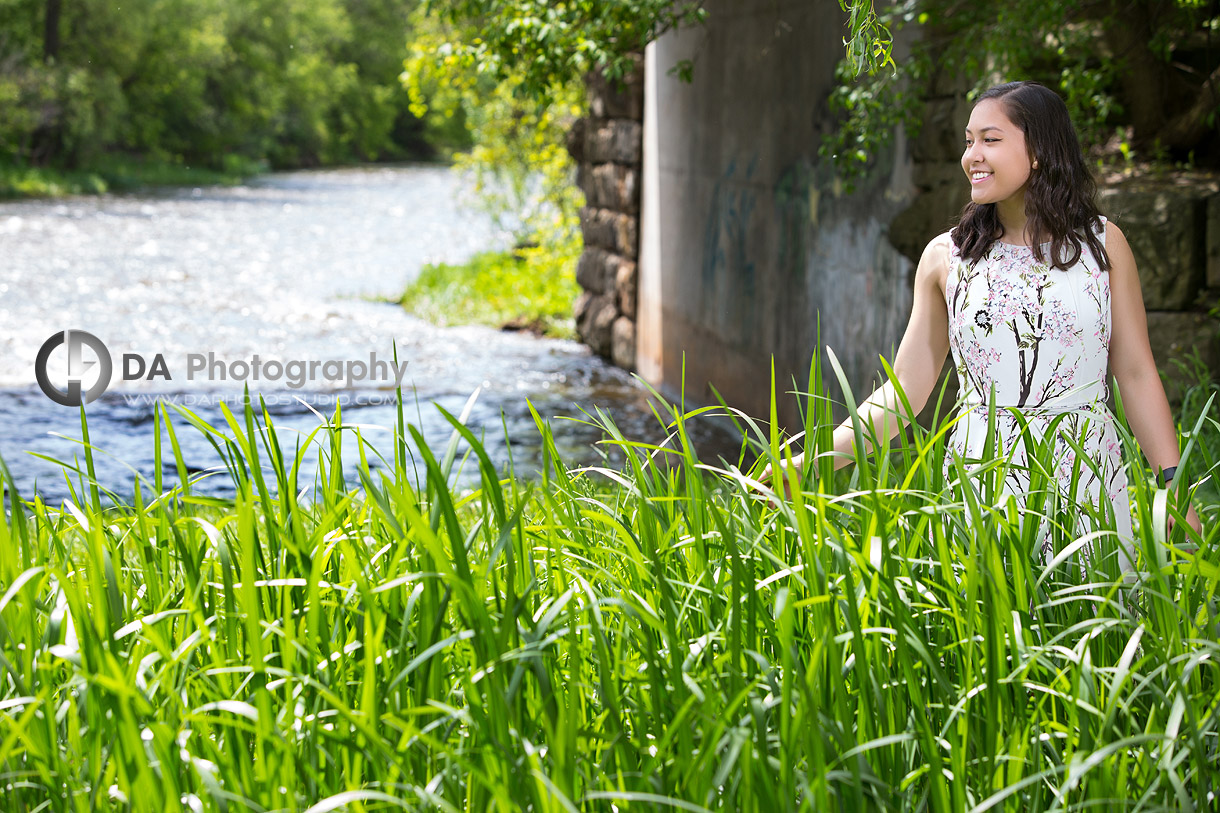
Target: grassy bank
{"type": "Point", "coordinates": [117, 174]}
{"type": "Point", "coordinates": [661, 636]}
{"type": "Point", "coordinates": [527, 289]}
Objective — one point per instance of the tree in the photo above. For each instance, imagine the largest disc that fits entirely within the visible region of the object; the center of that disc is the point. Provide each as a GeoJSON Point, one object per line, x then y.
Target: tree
{"type": "Point", "coordinates": [547, 43]}
{"type": "Point", "coordinates": [50, 36]}
{"type": "Point", "coordinates": [515, 156]}
{"type": "Point", "coordinates": [544, 45]}
{"type": "Point", "coordinates": [1143, 75]}
{"type": "Point", "coordinates": [1146, 71]}
{"type": "Point", "coordinates": [204, 82]}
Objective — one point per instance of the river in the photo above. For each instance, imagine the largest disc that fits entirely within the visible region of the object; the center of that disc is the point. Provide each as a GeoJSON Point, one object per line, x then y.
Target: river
{"type": "Point", "coordinates": [287, 267]}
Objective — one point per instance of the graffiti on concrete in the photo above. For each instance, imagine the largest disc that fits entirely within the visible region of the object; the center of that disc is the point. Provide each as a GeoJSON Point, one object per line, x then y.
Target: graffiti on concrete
{"type": "Point", "coordinates": [728, 266]}
{"type": "Point", "coordinates": [795, 207]}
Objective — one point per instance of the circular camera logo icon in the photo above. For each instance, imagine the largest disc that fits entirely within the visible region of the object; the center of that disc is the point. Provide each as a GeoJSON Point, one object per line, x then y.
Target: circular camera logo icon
{"type": "Point", "coordinates": [78, 366]}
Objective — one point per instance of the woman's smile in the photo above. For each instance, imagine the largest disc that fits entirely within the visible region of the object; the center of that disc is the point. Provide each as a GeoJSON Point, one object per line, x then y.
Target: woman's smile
{"type": "Point", "coordinates": [995, 158]}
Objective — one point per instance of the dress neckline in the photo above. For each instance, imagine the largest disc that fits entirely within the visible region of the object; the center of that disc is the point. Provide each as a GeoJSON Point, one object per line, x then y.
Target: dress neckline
{"type": "Point", "coordinates": [1047, 243]}
{"type": "Point", "coordinates": [1022, 245]}
{"type": "Point", "coordinates": [1002, 249]}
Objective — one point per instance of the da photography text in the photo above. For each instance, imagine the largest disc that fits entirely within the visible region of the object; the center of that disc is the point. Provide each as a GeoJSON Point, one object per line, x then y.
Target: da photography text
{"type": "Point", "coordinates": [86, 369]}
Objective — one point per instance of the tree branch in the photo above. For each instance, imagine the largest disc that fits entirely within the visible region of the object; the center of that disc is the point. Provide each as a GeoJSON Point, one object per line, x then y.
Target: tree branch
{"type": "Point", "coordinates": [1188, 128]}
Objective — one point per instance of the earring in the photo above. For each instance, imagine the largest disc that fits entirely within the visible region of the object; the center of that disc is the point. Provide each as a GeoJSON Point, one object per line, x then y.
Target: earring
{"type": "Point", "coordinates": [1035, 163]}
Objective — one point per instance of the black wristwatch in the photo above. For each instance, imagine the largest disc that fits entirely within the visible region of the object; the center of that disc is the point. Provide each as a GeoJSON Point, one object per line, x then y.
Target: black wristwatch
{"type": "Point", "coordinates": [1166, 475]}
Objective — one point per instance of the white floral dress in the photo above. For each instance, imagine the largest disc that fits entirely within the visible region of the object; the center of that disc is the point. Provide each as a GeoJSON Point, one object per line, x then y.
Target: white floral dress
{"type": "Point", "coordinates": [1039, 337]}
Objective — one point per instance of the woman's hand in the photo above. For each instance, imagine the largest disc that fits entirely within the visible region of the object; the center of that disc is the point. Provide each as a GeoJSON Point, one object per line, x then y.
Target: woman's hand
{"type": "Point", "coordinates": [779, 481]}
{"type": "Point", "coordinates": [1192, 519]}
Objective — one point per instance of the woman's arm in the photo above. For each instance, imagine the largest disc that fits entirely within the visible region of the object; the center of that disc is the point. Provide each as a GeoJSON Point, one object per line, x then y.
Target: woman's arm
{"type": "Point", "coordinates": [1133, 365]}
{"type": "Point", "coordinates": [919, 360]}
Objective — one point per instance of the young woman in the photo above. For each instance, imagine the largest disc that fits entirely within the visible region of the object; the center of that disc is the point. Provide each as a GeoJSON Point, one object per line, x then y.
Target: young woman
{"type": "Point", "coordinates": [1035, 293]}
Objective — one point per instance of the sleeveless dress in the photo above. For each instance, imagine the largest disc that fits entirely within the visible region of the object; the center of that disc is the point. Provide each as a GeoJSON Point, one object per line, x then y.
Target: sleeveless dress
{"type": "Point", "coordinates": [1039, 338]}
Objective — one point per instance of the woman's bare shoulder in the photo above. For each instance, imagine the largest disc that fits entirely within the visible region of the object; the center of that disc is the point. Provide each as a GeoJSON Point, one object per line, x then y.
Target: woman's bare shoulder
{"type": "Point", "coordinates": [1119, 249]}
{"type": "Point", "coordinates": [934, 264]}
{"type": "Point", "coordinates": [942, 242]}
{"type": "Point", "coordinates": [1114, 232]}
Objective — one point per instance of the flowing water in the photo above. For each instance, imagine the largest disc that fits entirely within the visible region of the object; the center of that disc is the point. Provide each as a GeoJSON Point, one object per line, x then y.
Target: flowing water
{"type": "Point", "coordinates": [207, 283]}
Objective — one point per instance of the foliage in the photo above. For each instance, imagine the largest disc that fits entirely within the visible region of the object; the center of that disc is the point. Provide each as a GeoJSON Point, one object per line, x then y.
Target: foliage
{"type": "Point", "coordinates": [871, 108]}
{"type": "Point", "coordinates": [869, 43]}
{"type": "Point", "coordinates": [543, 46]}
{"type": "Point", "coordinates": [522, 173]}
{"type": "Point", "coordinates": [118, 173]}
{"type": "Point", "coordinates": [531, 288]}
{"type": "Point", "coordinates": [661, 635]}
{"type": "Point", "coordinates": [292, 82]}
{"type": "Point", "coordinates": [1144, 75]}
{"type": "Point", "coordinates": [1200, 388]}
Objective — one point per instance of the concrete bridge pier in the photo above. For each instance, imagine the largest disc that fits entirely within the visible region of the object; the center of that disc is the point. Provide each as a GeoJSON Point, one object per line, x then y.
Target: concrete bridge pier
{"type": "Point", "coordinates": [747, 238]}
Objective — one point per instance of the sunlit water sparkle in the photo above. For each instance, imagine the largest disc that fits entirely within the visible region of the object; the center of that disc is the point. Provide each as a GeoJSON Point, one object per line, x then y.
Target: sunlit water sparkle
{"type": "Point", "coordinates": [290, 266]}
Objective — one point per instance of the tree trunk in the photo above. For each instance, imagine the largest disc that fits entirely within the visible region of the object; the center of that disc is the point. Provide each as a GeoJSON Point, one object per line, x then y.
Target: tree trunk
{"type": "Point", "coordinates": [1128, 30]}
{"type": "Point", "coordinates": [1190, 127]}
{"type": "Point", "coordinates": [50, 33]}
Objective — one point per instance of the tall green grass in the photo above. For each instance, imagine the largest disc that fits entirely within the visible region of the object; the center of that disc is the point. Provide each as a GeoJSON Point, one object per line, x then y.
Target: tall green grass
{"type": "Point", "coordinates": [661, 635]}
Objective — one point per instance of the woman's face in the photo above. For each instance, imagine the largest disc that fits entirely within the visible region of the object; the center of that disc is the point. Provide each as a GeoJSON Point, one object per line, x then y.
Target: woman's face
{"type": "Point", "coordinates": [995, 161]}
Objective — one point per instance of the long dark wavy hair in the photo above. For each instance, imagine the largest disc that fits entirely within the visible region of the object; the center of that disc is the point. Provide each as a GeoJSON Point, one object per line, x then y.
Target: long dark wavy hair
{"type": "Point", "coordinates": [1059, 200]}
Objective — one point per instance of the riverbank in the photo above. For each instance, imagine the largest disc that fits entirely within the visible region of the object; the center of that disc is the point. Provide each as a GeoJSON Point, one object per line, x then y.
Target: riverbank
{"type": "Point", "coordinates": [119, 174]}
{"type": "Point", "coordinates": [531, 289]}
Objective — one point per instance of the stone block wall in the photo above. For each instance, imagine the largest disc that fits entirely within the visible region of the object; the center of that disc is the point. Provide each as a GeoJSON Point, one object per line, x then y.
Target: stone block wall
{"type": "Point", "coordinates": [936, 170]}
{"type": "Point", "coordinates": [1172, 222]}
{"type": "Point", "coordinates": [607, 147]}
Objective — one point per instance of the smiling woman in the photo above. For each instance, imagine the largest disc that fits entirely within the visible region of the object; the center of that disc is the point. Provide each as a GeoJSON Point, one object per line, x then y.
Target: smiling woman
{"type": "Point", "coordinates": [996, 158]}
{"type": "Point", "coordinates": [1028, 181]}
{"type": "Point", "coordinates": [1039, 301]}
